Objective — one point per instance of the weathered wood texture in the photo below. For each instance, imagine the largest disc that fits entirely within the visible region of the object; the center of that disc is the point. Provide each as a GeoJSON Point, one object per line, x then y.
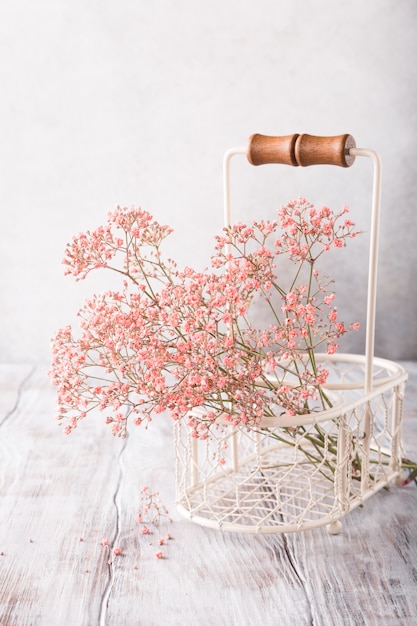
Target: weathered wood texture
{"type": "Point", "coordinates": [55, 490]}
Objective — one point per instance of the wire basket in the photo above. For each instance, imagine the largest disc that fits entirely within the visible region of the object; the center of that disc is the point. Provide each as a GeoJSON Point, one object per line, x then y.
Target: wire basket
{"type": "Point", "coordinates": [293, 473]}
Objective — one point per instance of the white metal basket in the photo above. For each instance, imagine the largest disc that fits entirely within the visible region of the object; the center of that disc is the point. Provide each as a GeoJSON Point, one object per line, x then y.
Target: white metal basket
{"type": "Point", "coordinates": [296, 473]}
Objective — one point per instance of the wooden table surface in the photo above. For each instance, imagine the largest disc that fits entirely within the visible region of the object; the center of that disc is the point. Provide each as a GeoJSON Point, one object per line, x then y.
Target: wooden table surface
{"type": "Point", "coordinates": [61, 496]}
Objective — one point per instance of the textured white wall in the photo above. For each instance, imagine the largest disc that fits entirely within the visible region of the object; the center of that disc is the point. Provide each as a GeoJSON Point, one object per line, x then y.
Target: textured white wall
{"type": "Point", "coordinates": [135, 102]}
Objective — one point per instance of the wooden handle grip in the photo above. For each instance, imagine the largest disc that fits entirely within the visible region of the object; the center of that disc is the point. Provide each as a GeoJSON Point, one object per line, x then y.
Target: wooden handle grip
{"type": "Point", "coordinates": [301, 150]}
{"type": "Point", "coordinates": [263, 149]}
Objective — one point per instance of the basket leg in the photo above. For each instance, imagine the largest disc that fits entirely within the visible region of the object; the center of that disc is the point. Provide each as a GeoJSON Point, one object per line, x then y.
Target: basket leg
{"type": "Point", "coordinates": [335, 527]}
{"type": "Point", "coordinates": [396, 443]}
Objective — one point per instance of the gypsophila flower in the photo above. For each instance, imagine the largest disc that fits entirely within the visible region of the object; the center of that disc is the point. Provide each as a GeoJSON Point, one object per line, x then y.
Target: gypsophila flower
{"type": "Point", "coordinates": [152, 510]}
{"type": "Point", "coordinates": [176, 339]}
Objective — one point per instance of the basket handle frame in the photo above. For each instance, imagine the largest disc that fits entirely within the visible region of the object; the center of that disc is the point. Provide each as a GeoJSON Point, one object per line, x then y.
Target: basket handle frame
{"type": "Point", "coordinates": [340, 150]}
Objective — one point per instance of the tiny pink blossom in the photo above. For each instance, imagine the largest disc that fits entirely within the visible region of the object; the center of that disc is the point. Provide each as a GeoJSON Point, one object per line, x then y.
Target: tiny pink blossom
{"type": "Point", "coordinates": [170, 339]}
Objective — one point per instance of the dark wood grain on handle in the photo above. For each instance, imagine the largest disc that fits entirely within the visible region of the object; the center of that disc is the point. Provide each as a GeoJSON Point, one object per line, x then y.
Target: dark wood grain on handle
{"type": "Point", "coordinates": [311, 150]}
{"type": "Point", "coordinates": [301, 150]}
{"type": "Point", "coordinates": [263, 149]}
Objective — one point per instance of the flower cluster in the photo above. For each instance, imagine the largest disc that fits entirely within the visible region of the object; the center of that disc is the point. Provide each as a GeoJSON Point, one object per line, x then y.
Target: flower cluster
{"type": "Point", "coordinates": [173, 340]}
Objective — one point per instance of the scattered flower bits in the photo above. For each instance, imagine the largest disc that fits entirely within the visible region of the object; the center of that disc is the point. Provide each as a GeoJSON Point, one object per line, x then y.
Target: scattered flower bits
{"type": "Point", "coordinates": [151, 516]}
{"type": "Point", "coordinates": [117, 551]}
{"type": "Point", "coordinates": [154, 513]}
{"type": "Point", "coordinates": [151, 510]}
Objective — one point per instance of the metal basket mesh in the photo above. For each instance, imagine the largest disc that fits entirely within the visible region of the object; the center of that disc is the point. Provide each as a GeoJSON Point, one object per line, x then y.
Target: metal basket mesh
{"type": "Point", "coordinates": [296, 474]}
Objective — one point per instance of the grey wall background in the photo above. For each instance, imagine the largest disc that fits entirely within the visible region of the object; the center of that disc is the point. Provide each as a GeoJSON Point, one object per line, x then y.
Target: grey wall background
{"type": "Point", "coordinates": [135, 102]}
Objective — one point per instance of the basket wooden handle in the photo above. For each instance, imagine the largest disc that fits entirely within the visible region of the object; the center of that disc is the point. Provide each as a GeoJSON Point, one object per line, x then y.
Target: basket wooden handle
{"type": "Point", "coordinates": [301, 150]}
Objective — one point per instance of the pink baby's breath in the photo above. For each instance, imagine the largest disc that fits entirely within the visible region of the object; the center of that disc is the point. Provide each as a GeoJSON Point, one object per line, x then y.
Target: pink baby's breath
{"type": "Point", "coordinates": [152, 509]}
{"type": "Point", "coordinates": [174, 340]}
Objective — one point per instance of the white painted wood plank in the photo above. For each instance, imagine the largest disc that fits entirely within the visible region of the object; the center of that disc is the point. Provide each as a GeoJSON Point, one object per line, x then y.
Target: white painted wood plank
{"type": "Point", "coordinates": [54, 490]}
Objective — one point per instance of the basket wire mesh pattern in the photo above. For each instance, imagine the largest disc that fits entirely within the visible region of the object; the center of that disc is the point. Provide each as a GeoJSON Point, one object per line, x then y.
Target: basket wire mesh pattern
{"type": "Point", "coordinates": [290, 475]}
{"type": "Point", "coordinates": [304, 471]}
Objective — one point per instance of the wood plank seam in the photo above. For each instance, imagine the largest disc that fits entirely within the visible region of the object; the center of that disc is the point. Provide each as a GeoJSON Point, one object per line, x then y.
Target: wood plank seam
{"type": "Point", "coordinates": [18, 396]}
{"type": "Point", "coordinates": [105, 599]}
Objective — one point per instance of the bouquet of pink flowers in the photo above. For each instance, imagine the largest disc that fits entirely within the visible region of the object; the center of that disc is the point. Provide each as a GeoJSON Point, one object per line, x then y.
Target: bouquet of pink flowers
{"type": "Point", "coordinates": [175, 339]}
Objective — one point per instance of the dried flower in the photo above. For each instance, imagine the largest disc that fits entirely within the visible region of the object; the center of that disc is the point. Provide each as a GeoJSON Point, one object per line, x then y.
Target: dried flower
{"type": "Point", "coordinates": [152, 509]}
{"type": "Point", "coordinates": [178, 339]}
